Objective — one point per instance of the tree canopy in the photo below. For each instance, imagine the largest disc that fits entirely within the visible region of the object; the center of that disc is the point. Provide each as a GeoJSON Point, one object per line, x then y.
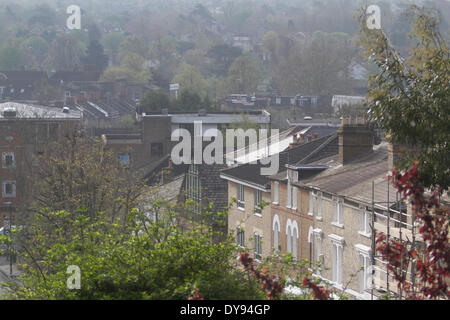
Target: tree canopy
{"type": "Point", "coordinates": [410, 98]}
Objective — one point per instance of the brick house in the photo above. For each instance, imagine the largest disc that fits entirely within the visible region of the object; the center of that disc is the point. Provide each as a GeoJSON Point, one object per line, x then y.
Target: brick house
{"type": "Point", "coordinates": [25, 131]}
{"type": "Point", "coordinates": [279, 226]}
{"type": "Point", "coordinates": [343, 197]}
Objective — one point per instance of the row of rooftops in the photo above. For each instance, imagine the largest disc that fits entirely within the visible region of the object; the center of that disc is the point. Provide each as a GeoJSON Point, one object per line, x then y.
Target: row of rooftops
{"type": "Point", "coordinates": [320, 168]}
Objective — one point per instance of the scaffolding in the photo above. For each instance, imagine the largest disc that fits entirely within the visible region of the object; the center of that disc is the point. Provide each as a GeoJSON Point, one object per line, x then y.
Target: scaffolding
{"type": "Point", "coordinates": [392, 218]}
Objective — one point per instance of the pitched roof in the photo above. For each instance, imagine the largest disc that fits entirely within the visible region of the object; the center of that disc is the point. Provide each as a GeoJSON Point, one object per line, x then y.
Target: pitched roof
{"type": "Point", "coordinates": [318, 148]}
{"type": "Point", "coordinates": [29, 76]}
{"type": "Point", "coordinates": [354, 180]}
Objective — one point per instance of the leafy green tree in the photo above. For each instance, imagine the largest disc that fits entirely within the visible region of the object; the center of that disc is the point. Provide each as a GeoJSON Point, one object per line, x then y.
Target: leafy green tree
{"type": "Point", "coordinates": [188, 101]}
{"type": "Point", "coordinates": [154, 101]}
{"type": "Point", "coordinates": [10, 58]}
{"type": "Point", "coordinates": [245, 74]}
{"type": "Point", "coordinates": [95, 56]}
{"type": "Point", "coordinates": [132, 44]}
{"type": "Point", "coordinates": [270, 42]}
{"type": "Point", "coordinates": [137, 252]}
{"type": "Point", "coordinates": [190, 78]}
{"type": "Point", "coordinates": [65, 53]}
{"type": "Point", "coordinates": [410, 98]}
{"type": "Point", "coordinates": [223, 56]}
{"type": "Point", "coordinates": [131, 68]}
{"type": "Point", "coordinates": [111, 41]}
{"type": "Point", "coordinates": [320, 66]}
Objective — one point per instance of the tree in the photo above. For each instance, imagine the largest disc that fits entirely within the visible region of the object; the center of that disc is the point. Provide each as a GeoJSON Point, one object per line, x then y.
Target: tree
{"type": "Point", "coordinates": [133, 253]}
{"type": "Point", "coordinates": [319, 67]}
{"type": "Point", "coordinates": [95, 56]}
{"type": "Point", "coordinates": [131, 68]}
{"type": "Point", "coordinates": [65, 53]}
{"type": "Point", "coordinates": [409, 98]}
{"type": "Point", "coordinates": [36, 49]}
{"type": "Point", "coordinates": [10, 58]}
{"type": "Point", "coordinates": [190, 79]}
{"type": "Point", "coordinates": [111, 41]}
{"type": "Point", "coordinates": [245, 74]}
{"type": "Point", "coordinates": [154, 101]}
{"type": "Point", "coordinates": [430, 263]}
{"type": "Point", "coordinates": [223, 56]}
{"type": "Point", "coordinates": [270, 42]}
{"type": "Point", "coordinates": [132, 44]}
{"type": "Point", "coordinates": [189, 101]}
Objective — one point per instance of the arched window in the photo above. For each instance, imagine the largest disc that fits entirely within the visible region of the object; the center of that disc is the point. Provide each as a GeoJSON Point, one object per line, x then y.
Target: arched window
{"type": "Point", "coordinates": [276, 231]}
{"type": "Point", "coordinates": [288, 239]}
{"type": "Point", "coordinates": [288, 235]}
{"type": "Point", "coordinates": [294, 237]}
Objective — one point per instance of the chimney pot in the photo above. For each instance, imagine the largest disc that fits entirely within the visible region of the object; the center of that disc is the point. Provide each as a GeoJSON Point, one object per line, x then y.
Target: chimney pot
{"type": "Point", "coordinates": [316, 135]}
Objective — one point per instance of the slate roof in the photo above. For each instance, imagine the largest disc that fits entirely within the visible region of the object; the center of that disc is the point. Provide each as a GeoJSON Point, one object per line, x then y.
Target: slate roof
{"type": "Point", "coordinates": [303, 153]}
{"type": "Point", "coordinates": [69, 76]}
{"type": "Point", "coordinates": [354, 180]}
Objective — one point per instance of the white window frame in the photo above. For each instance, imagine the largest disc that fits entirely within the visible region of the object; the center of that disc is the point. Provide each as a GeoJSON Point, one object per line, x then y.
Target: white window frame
{"type": "Point", "coordinates": [276, 227]}
{"type": "Point", "coordinates": [294, 198]}
{"type": "Point", "coordinates": [257, 196]}
{"type": "Point", "coordinates": [294, 237]}
{"type": "Point", "coordinates": [319, 206]}
{"type": "Point", "coordinates": [311, 203]}
{"type": "Point", "coordinates": [317, 247]}
{"type": "Point", "coordinates": [241, 197]}
{"type": "Point", "coordinates": [288, 236]}
{"type": "Point", "coordinates": [289, 195]}
{"type": "Point", "coordinates": [6, 154]}
{"type": "Point", "coordinates": [337, 258]}
{"type": "Point", "coordinates": [240, 236]}
{"type": "Point", "coordinates": [364, 254]}
{"type": "Point", "coordinates": [364, 223]}
{"type": "Point", "coordinates": [276, 186]}
{"type": "Point", "coordinates": [338, 213]}
{"type": "Point", "coordinates": [13, 194]}
{"type": "Point", "coordinates": [258, 246]}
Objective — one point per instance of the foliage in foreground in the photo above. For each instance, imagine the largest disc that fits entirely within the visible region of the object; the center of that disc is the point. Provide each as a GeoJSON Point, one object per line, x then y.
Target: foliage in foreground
{"type": "Point", "coordinates": [143, 260]}
{"type": "Point", "coordinates": [430, 265]}
{"type": "Point", "coordinates": [410, 98]}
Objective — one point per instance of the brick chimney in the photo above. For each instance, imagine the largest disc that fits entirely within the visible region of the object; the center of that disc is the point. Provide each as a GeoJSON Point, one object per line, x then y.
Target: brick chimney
{"type": "Point", "coordinates": [355, 140]}
{"type": "Point", "coordinates": [397, 153]}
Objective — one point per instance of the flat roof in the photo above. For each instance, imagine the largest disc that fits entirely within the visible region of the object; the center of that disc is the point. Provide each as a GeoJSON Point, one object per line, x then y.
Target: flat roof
{"type": "Point", "coordinates": [36, 112]}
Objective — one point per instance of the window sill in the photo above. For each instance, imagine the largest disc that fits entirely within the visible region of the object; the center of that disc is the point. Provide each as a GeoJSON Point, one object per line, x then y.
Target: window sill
{"type": "Point", "coordinates": [240, 208]}
{"type": "Point", "coordinates": [338, 225]}
{"type": "Point", "coordinates": [295, 209]}
{"type": "Point", "coordinates": [276, 203]}
{"type": "Point", "coordinates": [319, 218]}
{"type": "Point", "coordinates": [257, 214]}
{"type": "Point", "coordinates": [364, 234]}
{"type": "Point", "coordinates": [310, 214]}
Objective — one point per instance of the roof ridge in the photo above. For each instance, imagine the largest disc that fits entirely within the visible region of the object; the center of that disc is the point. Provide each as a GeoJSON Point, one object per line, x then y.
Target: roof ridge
{"type": "Point", "coordinates": [349, 168]}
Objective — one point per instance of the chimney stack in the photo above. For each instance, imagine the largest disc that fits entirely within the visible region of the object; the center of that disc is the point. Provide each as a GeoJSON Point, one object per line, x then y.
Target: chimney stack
{"type": "Point", "coordinates": [355, 140]}
{"type": "Point", "coordinates": [309, 138]}
{"type": "Point", "coordinates": [316, 135]}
